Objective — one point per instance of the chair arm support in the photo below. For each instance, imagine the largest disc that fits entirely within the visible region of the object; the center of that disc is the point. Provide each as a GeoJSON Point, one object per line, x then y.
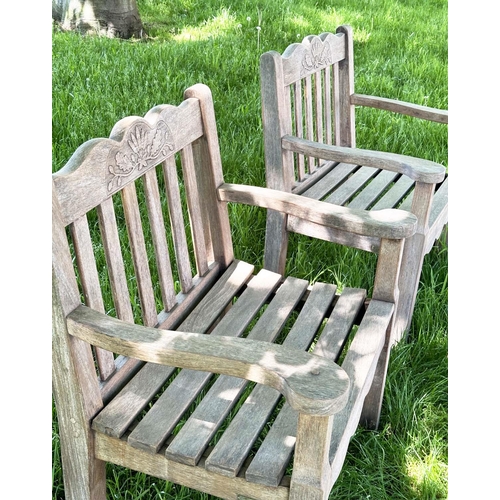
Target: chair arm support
{"type": "Point", "coordinates": [389, 223]}
{"type": "Point", "coordinates": [311, 384]}
{"type": "Point", "coordinates": [418, 169]}
{"type": "Point", "coordinates": [404, 108]}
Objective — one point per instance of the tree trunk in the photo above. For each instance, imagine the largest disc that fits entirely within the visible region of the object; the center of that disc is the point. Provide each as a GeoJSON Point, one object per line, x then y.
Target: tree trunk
{"type": "Point", "coordinates": [111, 18]}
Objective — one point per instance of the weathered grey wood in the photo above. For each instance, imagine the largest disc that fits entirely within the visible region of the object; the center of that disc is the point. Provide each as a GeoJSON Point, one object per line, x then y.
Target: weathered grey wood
{"type": "Point", "coordinates": [438, 217]}
{"type": "Point", "coordinates": [74, 380]}
{"type": "Point", "coordinates": [209, 175]}
{"type": "Point", "coordinates": [157, 225]}
{"type": "Point", "coordinates": [164, 364]}
{"type": "Point", "coordinates": [315, 52]}
{"type": "Point", "coordinates": [360, 363]}
{"type": "Point", "coordinates": [375, 188]}
{"type": "Point", "coordinates": [327, 110]}
{"type": "Point", "coordinates": [117, 416]}
{"type": "Point", "coordinates": [311, 476]}
{"type": "Point", "coordinates": [311, 162]}
{"type": "Point", "coordinates": [139, 255]}
{"type": "Point", "coordinates": [195, 215]}
{"type": "Point", "coordinates": [383, 224]}
{"type": "Point", "coordinates": [116, 450]}
{"type": "Point", "coordinates": [347, 130]}
{"type": "Point", "coordinates": [417, 169]}
{"type": "Point", "coordinates": [189, 444]}
{"type": "Point", "coordinates": [311, 384]}
{"type": "Point", "coordinates": [312, 66]}
{"type": "Point", "coordinates": [232, 449]}
{"type": "Point", "coordinates": [301, 226]}
{"type": "Point", "coordinates": [273, 456]}
{"type": "Point", "coordinates": [155, 427]}
{"type": "Point", "coordinates": [397, 192]}
{"type": "Point", "coordinates": [413, 256]}
{"type": "Point", "coordinates": [106, 165]}
{"type": "Point", "coordinates": [114, 260]}
{"type": "Point", "coordinates": [330, 181]}
{"type": "Point", "coordinates": [298, 115]}
{"type": "Point", "coordinates": [351, 186]}
{"type": "Point", "coordinates": [300, 187]}
{"type": "Point", "coordinates": [90, 285]}
{"type": "Point", "coordinates": [405, 108]}
{"type": "Point", "coordinates": [177, 224]}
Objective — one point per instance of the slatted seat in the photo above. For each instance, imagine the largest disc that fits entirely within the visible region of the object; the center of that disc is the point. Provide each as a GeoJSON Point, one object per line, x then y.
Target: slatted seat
{"type": "Point", "coordinates": [174, 358]}
{"type": "Point", "coordinates": [308, 108]}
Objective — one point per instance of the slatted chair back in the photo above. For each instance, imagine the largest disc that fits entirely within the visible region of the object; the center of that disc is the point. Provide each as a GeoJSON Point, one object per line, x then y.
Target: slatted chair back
{"type": "Point", "coordinates": [308, 104]}
{"type": "Point", "coordinates": [138, 271]}
{"type": "Point", "coordinates": [144, 316]}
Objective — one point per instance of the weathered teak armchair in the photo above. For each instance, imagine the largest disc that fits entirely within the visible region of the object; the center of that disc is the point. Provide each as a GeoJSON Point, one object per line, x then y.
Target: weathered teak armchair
{"type": "Point", "coordinates": [149, 304]}
{"type": "Point", "coordinates": [308, 104]}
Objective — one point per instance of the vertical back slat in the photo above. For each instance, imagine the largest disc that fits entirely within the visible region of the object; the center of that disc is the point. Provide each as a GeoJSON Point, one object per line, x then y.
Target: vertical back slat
{"type": "Point", "coordinates": [327, 96]}
{"type": "Point", "coordinates": [139, 254]}
{"type": "Point", "coordinates": [157, 225]}
{"type": "Point", "coordinates": [90, 285]}
{"type": "Point", "coordinates": [336, 104]}
{"type": "Point", "coordinates": [299, 128]}
{"type": "Point", "coordinates": [318, 106]}
{"type": "Point", "coordinates": [309, 116]}
{"type": "Point", "coordinates": [114, 260]}
{"type": "Point", "coordinates": [177, 223]}
{"type": "Point", "coordinates": [195, 214]}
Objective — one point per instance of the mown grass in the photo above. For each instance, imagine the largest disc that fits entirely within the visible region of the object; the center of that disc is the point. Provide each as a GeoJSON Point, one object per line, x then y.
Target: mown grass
{"type": "Point", "coordinates": [401, 52]}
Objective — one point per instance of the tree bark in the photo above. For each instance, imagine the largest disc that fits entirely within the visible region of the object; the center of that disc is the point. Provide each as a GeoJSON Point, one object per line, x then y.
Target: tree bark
{"type": "Point", "coordinates": [111, 18]}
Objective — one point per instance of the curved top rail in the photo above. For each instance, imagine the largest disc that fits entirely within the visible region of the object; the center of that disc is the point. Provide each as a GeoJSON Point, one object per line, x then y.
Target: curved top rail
{"type": "Point", "coordinates": [101, 167]}
{"type": "Point", "coordinates": [313, 53]}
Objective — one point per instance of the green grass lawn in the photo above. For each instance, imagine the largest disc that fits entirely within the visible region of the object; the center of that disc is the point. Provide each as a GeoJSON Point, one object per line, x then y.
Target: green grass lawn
{"type": "Point", "coordinates": [401, 52]}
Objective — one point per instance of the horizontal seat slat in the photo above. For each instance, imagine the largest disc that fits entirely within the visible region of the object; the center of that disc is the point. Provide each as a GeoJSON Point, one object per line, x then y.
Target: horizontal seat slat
{"type": "Point", "coordinates": [395, 194]}
{"type": "Point", "coordinates": [188, 446]}
{"type": "Point", "coordinates": [230, 452]}
{"type": "Point", "coordinates": [122, 410]}
{"type": "Point", "coordinates": [272, 458]}
{"type": "Point", "coordinates": [330, 181]}
{"type": "Point", "coordinates": [375, 188]}
{"type": "Point", "coordinates": [161, 419]}
{"type": "Point", "coordinates": [345, 191]}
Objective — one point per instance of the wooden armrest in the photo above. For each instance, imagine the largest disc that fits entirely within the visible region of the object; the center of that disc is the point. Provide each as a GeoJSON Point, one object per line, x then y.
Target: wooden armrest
{"type": "Point", "coordinates": [311, 384]}
{"type": "Point", "coordinates": [418, 169]}
{"type": "Point", "coordinates": [404, 108]}
{"type": "Point", "coordinates": [389, 223]}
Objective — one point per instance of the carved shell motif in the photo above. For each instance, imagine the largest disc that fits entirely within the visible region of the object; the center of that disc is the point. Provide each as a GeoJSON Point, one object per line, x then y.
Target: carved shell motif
{"type": "Point", "coordinates": [144, 147]}
{"type": "Point", "coordinates": [318, 56]}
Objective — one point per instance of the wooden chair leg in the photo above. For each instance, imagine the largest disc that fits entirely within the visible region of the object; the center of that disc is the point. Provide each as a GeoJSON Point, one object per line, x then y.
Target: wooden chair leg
{"type": "Point", "coordinates": [276, 245]}
{"type": "Point", "coordinates": [372, 406]}
{"type": "Point", "coordinates": [311, 469]}
{"type": "Point", "coordinates": [84, 475]}
{"type": "Point", "coordinates": [409, 280]}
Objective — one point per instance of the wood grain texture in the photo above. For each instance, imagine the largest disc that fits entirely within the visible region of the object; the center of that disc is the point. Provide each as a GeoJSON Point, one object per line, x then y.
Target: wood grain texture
{"type": "Point", "coordinates": [310, 383]}
{"type": "Point", "coordinates": [165, 364]}
{"type": "Point", "coordinates": [385, 223]}
{"type": "Point", "coordinates": [233, 447]}
{"type": "Point", "coordinates": [405, 108]}
{"type": "Point", "coordinates": [417, 169]}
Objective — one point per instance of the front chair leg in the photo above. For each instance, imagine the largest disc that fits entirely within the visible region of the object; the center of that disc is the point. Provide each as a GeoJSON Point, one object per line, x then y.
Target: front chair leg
{"type": "Point", "coordinates": [311, 475]}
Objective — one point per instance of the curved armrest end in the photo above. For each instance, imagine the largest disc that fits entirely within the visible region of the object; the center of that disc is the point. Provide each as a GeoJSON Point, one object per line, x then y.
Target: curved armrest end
{"type": "Point", "coordinates": [311, 384]}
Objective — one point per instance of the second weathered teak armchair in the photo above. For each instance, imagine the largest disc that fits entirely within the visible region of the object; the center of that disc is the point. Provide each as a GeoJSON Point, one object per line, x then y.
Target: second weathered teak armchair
{"type": "Point", "coordinates": [308, 110]}
{"type": "Point", "coordinates": [172, 358]}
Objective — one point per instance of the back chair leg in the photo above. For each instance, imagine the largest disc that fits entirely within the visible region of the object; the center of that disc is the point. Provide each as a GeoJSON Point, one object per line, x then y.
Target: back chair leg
{"type": "Point", "coordinates": [84, 475]}
{"type": "Point", "coordinates": [372, 406]}
{"type": "Point", "coordinates": [411, 268]}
